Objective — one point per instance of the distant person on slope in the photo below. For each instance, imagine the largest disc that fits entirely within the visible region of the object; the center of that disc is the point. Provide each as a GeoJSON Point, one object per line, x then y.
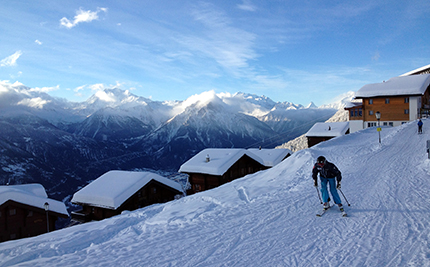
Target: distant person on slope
{"type": "Point", "coordinates": [329, 174]}
{"type": "Point", "coordinates": [420, 126]}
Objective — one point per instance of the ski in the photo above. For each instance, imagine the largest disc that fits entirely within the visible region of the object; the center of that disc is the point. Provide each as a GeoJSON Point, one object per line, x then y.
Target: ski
{"type": "Point", "coordinates": [342, 211]}
{"type": "Point", "coordinates": [323, 211]}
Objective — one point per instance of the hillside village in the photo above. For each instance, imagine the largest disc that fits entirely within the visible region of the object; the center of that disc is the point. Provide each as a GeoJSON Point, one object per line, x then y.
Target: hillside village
{"type": "Point", "coordinates": [27, 211]}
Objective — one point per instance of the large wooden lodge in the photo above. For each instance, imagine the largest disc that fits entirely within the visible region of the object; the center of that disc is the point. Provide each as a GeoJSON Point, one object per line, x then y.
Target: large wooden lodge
{"type": "Point", "coordinates": [398, 100]}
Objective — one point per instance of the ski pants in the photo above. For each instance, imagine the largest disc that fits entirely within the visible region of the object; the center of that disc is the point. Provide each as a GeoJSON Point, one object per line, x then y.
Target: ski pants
{"type": "Point", "coordinates": [333, 190]}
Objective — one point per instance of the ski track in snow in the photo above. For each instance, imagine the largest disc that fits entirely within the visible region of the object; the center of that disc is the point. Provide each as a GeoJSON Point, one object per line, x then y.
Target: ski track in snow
{"type": "Point", "coordinates": [268, 218]}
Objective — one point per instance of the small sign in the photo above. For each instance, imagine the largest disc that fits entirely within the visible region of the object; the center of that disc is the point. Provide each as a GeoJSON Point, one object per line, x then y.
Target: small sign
{"type": "Point", "coordinates": [379, 129]}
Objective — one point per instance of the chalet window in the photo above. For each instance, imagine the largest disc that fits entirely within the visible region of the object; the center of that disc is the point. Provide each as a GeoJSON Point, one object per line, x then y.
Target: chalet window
{"type": "Point", "coordinates": [154, 190]}
{"type": "Point", "coordinates": [391, 124]}
{"type": "Point", "coordinates": [30, 213]}
{"type": "Point", "coordinates": [406, 111]}
{"type": "Point", "coordinates": [356, 112]}
{"type": "Point", "coordinates": [197, 188]}
{"type": "Point", "coordinates": [12, 212]}
{"type": "Point", "coordinates": [406, 99]}
{"type": "Point", "coordinates": [387, 101]}
{"type": "Point", "coordinates": [370, 101]}
{"type": "Point", "coordinates": [371, 124]}
{"type": "Point", "coordinates": [370, 112]}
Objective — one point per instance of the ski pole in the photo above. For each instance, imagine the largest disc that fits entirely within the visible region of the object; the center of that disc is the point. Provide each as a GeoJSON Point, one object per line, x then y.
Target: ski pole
{"type": "Point", "coordinates": [344, 197]}
{"type": "Point", "coordinates": [318, 194]}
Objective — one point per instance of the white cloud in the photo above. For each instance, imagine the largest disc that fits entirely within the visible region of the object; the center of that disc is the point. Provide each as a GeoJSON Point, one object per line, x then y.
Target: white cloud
{"type": "Point", "coordinates": [97, 87]}
{"type": "Point", "coordinates": [82, 16]}
{"type": "Point", "coordinates": [45, 89]}
{"type": "Point", "coordinates": [79, 88]}
{"type": "Point", "coordinates": [247, 6]}
{"type": "Point", "coordinates": [102, 95]}
{"type": "Point", "coordinates": [10, 60]}
{"type": "Point", "coordinates": [7, 83]}
{"type": "Point", "coordinates": [229, 46]}
{"type": "Point", "coordinates": [38, 42]}
{"type": "Point", "coordinates": [376, 56]}
{"type": "Point", "coordinates": [33, 102]}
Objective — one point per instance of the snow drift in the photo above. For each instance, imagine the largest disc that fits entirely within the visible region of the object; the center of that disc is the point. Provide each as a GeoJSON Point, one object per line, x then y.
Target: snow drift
{"type": "Point", "coordinates": [268, 218]}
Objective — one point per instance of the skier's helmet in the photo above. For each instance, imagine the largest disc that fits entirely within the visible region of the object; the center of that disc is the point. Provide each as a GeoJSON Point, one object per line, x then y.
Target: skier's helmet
{"type": "Point", "coordinates": [321, 160]}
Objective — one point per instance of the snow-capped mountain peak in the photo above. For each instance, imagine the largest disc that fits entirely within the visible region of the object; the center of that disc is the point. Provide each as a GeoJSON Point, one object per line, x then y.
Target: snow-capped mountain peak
{"type": "Point", "coordinates": [341, 101]}
{"type": "Point", "coordinates": [199, 101]}
{"type": "Point", "coordinates": [311, 105]}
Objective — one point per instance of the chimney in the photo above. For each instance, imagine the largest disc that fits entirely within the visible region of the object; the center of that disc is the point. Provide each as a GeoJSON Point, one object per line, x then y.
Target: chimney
{"type": "Point", "coordinates": [208, 158]}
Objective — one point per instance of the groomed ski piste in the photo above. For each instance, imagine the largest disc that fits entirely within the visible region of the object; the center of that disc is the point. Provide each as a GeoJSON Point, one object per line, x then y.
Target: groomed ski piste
{"type": "Point", "coordinates": [268, 218]}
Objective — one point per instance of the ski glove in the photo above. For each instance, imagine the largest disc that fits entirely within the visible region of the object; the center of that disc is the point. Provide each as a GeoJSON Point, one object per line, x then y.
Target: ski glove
{"type": "Point", "coordinates": [338, 185]}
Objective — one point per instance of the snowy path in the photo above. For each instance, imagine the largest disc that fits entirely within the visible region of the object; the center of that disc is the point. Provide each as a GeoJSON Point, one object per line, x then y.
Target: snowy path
{"type": "Point", "coordinates": [268, 219]}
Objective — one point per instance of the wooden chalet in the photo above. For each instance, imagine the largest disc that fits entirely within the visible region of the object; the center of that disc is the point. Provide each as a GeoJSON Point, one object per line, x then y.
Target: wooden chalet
{"type": "Point", "coordinates": [399, 100]}
{"type": "Point", "coordinates": [323, 131]}
{"type": "Point", "coordinates": [26, 210]}
{"type": "Point", "coordinates": [116, 191]}
{"type": "Point", "coordinates": [213, 167]}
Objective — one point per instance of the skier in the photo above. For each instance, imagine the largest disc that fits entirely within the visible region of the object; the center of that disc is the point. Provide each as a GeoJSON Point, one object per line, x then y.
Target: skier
{"type": "Point", "coordinates": [329, 174]}
{"type": "Point", "coordinates": [420, 127]}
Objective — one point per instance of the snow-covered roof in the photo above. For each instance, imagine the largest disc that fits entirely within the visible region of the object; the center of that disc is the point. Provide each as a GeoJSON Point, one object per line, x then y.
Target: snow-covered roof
{"type": "Point", "coordinates": [403, 85]}
{"type": "Point", "coordinates": [328, 129]}
{"type": "Point", "coordinates": [113, 188]}
{"type": "Point", "coordinates": [221, 159]}
{"type": "Point", "coordinates": [32, 195]}
{"type": "Point", "coordinates": [419, 70]}
{"type": "Point", "coordinates": [271, 157]}
{"type": "Point", "coordinates": [353, 104]}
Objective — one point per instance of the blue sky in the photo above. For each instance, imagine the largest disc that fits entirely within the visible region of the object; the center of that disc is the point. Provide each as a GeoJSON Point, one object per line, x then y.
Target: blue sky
{"type": "Point", "coordinates": [296, 51]}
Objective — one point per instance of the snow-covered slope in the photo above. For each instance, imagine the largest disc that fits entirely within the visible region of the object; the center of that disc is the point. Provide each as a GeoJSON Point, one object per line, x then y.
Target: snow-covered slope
{"type": "Point", "coordinates": [268, 218]}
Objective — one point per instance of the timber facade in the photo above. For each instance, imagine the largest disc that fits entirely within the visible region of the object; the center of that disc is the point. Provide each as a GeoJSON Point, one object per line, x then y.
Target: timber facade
{"type": "Point", "coordinates": [18, 220]}
{"type": "Point", "coordinates": [153, 192]}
